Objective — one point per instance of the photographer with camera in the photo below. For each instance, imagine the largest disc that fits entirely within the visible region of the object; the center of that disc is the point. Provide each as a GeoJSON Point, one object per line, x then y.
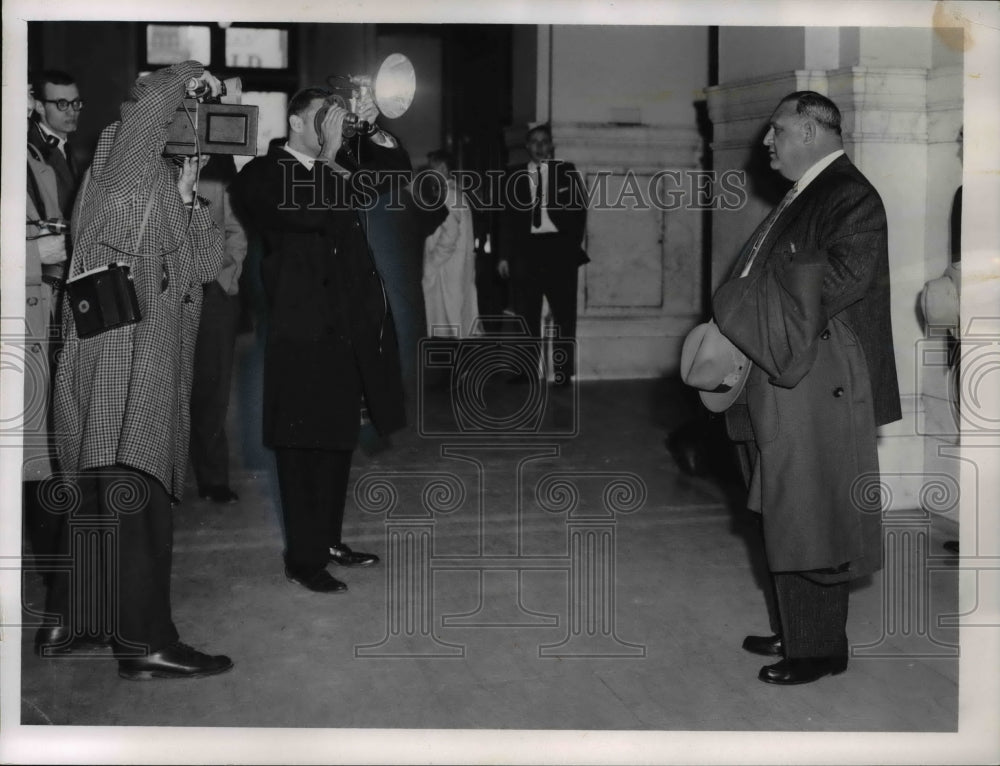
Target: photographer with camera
{"type": "Point", "coordinates": [331, 343]}
{"type": "Point", "coordinates": [123, 382]}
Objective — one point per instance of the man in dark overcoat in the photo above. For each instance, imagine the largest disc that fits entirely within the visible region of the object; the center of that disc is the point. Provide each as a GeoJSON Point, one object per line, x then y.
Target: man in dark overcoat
{"type": "Point", "coordinates": [121, 396]}
{"type": "Point", "coordinates": [331, 344]}
{"type": "Point", "coordinates": [809, 305]}
{"type": "Point", "coordinates": [542, 226]}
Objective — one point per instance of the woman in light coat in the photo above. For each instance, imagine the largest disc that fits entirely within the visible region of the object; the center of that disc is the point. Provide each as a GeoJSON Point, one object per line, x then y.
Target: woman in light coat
{"type": "Point", "coordinates": [450, 263]}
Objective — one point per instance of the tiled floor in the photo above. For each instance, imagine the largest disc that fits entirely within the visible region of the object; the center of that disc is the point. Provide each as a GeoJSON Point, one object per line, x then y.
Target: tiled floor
{"type": "Point", "coordinates": [575, 580]}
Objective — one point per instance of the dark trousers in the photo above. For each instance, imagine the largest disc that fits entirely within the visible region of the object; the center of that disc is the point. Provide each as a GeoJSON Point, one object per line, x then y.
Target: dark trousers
{"type": "Point", "coordinates": [116, 549]}
{"type": "Point", "coordinates": [811, 617]}
{"type": "Point", "coordinates": [546, 269]}
{"type": "Point", "coordinates": [313, 486]}
{"type": "Point", "coordinates": [213, 369]}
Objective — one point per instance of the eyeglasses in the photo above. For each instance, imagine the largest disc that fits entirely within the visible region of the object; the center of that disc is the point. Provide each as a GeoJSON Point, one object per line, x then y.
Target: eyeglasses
{"type": "Point", "coordinates": [62, 104]}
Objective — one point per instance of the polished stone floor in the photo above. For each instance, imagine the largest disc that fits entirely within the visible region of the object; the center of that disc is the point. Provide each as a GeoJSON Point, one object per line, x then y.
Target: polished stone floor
{"type": "Point", "coordinates": [545, 565]}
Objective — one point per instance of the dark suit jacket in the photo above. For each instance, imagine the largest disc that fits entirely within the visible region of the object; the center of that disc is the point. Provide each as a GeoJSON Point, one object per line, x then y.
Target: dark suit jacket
{"type": "Point", "coordinates": [841, 214]}
{"type": "Point", "coordinates": [566, 207]}
{"type": "Point", "coordinates": [816, 348]}
{"type": "Point", "coordinates": [330, 331]}
{"type": "Point", "coordinates": [66, 176]}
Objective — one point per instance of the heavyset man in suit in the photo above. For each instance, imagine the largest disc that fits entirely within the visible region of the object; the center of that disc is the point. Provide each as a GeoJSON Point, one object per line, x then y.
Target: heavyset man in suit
{"type": "Point", "coordinates": [542, 226]}
{"type": "Point", "coordinates": [809, 305]}
{"type": "Point", "coordinates": [331, 342]}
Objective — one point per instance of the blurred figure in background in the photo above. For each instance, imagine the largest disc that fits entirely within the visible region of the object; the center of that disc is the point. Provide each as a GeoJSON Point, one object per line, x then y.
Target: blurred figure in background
{"type": "Point", "coordinates": [56, 115]}
{"type": "Point", "coordinates": [449, 280]}
{"type": "Point", "coordinates": [213, 358]}
{"type": "Point", "coordinates": [45, 271]}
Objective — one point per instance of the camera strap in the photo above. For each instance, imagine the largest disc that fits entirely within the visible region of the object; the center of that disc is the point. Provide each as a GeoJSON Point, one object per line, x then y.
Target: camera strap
{"type": "Point", "coordinates": [142, 225]}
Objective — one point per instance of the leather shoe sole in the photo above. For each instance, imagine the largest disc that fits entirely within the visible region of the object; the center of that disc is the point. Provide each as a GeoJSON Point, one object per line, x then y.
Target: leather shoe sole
{"type": "Point", "coordinates": [175, 661]}
{"type": "Point", "coordinates": [767, 646]}
{"type": "Point", "coordinates": [801, 670]}
{"type": "Point", "coordinates": [318, 582]}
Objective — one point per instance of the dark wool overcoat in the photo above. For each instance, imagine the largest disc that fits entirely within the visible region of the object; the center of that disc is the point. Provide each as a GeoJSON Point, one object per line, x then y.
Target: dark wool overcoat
{"type": "Point", "coordinates": [121, 397]}
{"type": "Point", "coordinates": [813, 316]}
{"type": "Point", "coordinates": [330, 338]}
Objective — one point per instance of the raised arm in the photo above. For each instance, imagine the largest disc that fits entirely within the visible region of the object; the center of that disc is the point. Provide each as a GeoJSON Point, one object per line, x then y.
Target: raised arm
{"type": "Point", "coordinates": [141, 136]}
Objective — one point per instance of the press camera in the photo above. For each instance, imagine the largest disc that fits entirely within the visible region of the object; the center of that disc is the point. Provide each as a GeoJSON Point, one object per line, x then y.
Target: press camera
{"type": "Point", "coordinates": [391, 89]}
{"type": "Point", "coordinates": [207, 125]}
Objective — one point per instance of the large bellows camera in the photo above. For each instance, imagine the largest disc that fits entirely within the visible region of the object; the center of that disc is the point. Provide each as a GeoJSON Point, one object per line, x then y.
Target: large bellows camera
{"type": "Point", "coordinates": [220, 125]}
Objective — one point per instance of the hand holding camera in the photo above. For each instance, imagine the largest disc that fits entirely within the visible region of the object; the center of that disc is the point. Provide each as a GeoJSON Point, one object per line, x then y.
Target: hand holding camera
{"type": "Point", "coordinates": [51, 249]}
{"type": "Point", "coordinates": [187, 179]}
{"type": "Point", "coordinates": [367, 109]}
{"type": "Point", "coordinates": [331, 131]}
{"type": "Point", "coordinates": [205, 86]}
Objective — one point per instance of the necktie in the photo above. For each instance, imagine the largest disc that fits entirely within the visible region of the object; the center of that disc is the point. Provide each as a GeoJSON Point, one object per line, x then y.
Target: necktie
{"type": "Point", "coordinates": [536, 210]}
{"type": "Point", "coordinates": [766, 227]}
{"type": "Point", "coordinates": [68, 149]}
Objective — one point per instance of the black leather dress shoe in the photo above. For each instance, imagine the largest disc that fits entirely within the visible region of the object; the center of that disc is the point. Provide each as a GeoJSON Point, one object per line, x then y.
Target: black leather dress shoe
{"type": "Point", "coordinates": [345, 557]}
{"type": "Point", "coordinates": [59, 640]}
{"type": "Point", "coordinates": [178, 660]}
{"type": "Point", "coordinates": [802, 670]}
{"type": "Point", "coordinates": [218, 494]}
{"type": "Point", "coordinates": [769, 646]}
{"type": "Point", "coordinates": [320, 581]}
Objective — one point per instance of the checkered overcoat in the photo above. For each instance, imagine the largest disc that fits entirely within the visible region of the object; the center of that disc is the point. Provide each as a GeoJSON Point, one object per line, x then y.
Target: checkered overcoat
{"type": "Point", "coordinates": [121, 397]}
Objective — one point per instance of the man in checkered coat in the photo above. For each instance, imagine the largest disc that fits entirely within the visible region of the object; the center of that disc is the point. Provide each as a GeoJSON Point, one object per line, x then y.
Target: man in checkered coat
{"type": "Point", "coordinates": [121, 397]}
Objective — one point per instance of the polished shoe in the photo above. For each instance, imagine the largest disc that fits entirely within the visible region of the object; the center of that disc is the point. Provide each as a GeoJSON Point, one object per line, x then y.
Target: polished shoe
{"type": "Point", "coordinates": [218, 494]}
{"type": "Point", "coordinates": [59, 640]}
{"type": "Point", "coordinates": [345, 557]}
{"type": "Point", "coordinates": [320, 581]}
{"type": "Point", "coordinates": [769, 646]}
{"type": "Point", "coordinates": [802, 670]}
{"type": "Point", "coordinates": [178, 660]}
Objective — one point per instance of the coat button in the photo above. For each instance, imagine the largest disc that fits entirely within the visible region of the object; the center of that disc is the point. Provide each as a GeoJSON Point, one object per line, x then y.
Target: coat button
{"type": "Point", "coordinates": [838, 392]}
{"type": "Point", "coordinates": [825, 335]}
{"type": "Point", "coordinates": [187, 298]}
{"type": "Point", "coordinates": [32, 301]}
{"type": "Point", "coordinates": [35, 347]}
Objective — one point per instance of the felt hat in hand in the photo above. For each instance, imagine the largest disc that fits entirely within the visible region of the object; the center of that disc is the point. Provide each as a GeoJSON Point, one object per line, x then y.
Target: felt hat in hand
{"type": "Point", "coordinates": [712, 364]}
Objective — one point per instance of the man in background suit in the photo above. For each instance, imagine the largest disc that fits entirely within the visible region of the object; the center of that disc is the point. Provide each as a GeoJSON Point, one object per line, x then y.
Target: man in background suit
{"type": "Point", "coordinates": [809, 305]}
{"type": "Point", "coordinates": [57, 114]}
{"type": "Point", "coordinates": [542, 227]}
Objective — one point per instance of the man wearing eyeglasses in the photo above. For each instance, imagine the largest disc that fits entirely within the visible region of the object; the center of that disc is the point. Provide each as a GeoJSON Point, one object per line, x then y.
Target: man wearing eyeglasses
{"type": "Point", "coordinates": [57, 114]}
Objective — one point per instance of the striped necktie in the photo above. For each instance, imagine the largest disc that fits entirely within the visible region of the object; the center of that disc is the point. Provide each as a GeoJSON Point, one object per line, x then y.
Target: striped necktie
{"type": "Point", "coordinates": [765, 227]}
